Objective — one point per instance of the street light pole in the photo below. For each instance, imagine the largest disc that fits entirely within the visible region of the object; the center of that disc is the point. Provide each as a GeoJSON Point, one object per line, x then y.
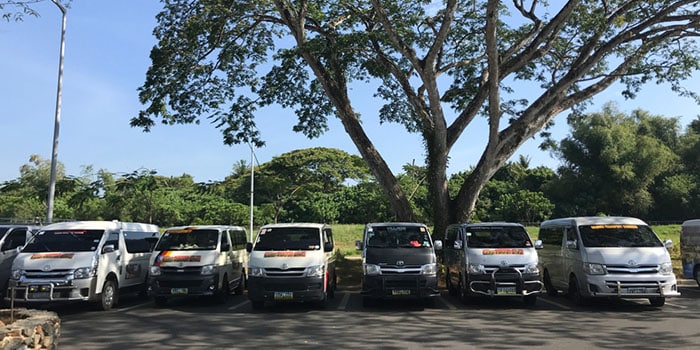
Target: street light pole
{"type": "Point", "coordinates": [57, 122]}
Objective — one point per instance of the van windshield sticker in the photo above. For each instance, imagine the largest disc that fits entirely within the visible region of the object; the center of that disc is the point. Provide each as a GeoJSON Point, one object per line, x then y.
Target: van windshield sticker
{"type": "Point", "coordinates": [602, 227]}
{"type": "Point", "coordinates": [167, 256]}
{"type": "Point", "coordinates": [285, 254]}
{"type": "Point", "coordinates": [502, 252]}
{"type": "Point", "coordinates": [69, 232]}
{"type": "Point", "coordinates": [53, 256]}
{"type": "Point", "coordinates": [188, 230]}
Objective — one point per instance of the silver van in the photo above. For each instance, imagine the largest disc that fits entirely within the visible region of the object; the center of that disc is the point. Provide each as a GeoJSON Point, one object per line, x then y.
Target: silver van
{"type": "Point", "coordinates": [491, 259]}
{"type": "Point", "coordinates": [12, 237]}
{"type": "Point", "coordinates": [690, 249]}
{"type": "Point", "coordinates": [601, 256]}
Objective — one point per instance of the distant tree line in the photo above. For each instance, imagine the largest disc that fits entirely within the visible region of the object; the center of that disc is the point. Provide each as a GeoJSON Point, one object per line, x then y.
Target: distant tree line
{"type": "Point", "coordinates": [611, 164]}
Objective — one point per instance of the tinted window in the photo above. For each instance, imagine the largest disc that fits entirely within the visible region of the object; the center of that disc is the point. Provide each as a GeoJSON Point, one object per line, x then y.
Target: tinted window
{"type": "Point", "coordinates": [451, 236]}
{"type": "Point", "coordinates": [65, 241]}
{"type": "Point", "coordinates": [138, 242]}
{"type": "Point", "coordinates": [15, 239]}
{"type": "Point", "coordinates": [551, 235]}
{"type": "Point", "coordinates": [188, 239]}
{"type": "Point", "coordinates": [618, 236]}
{"type": "Point", "coordinates": [497, 237]}
{"type": "Point", "coordinates": [398, 237]}
{"type": "Point", "coordinates": [289, 238]}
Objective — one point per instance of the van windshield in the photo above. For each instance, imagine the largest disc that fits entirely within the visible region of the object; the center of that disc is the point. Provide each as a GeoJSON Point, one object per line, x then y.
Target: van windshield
{"type": "Point", "coordinates": [289, 238]}
{"type": "Point", "coordinates": [398, 237]}
{"type": "Point", "coordinates": [188, 239]}
{"type": "Point", "coordinates": [497, 237]}
{"type": "Point", "coordinates": [618, 236]}
{"type": "Point", "coordinates": [65, 241]}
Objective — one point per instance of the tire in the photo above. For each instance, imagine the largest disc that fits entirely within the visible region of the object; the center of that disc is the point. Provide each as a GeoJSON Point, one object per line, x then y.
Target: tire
{"type": "Point", "coordinates": [530, 300]}
{"type": "Point", "coordinates": [222, 295]}
{"type": "Point", "coordinates": [697, 275]}
{"type": "Point", "coordinates": [241, 285]}
{"type": "Point", "coordinates": [160, 301]}
{"type": "Point", "coordinates": [575, 291]}
{"type": "Point", "coordinates": [657, 301]}
{"type": "Point", "coordinates": [463, 292]}
{"type": "Point", "coordinates": [551, 291]}
{"type": "Point", "coordinates": [109, 295]}
{"type": "Point", "coordinates": [257, 304]}
{"type": "Point", "coordinates": [369, 302]}
{"type": "Point", "coordinates": [451, 290]}
{"type": "Point", "coordinates": [333, 285]}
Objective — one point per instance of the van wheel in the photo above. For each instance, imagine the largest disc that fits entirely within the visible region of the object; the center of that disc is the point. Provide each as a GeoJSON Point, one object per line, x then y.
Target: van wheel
{"type": "Point", "coordinates": [697, 275]}
{"type": "Point", "coordinates": [448, 284]}
{"type": "Point", "coordinates": [530, 300]}
{"type": "Point", "coordinates": [551, 291]}
{"type": "Point", "coordinates": [657, 301]}
{"type": "Point", "coordinates": [369, 302]}
{"type": "Point", "coordinates": [332, 285]}
{"type": "Point", "coordinates": [222, 294]}
{"type": "Point", "coordinates": [160, 301]}
{"type": "Point", "coordinates": [109, 296]}
{"type": "Point", "coordinates": [241, 285]}
{"type": "Point", "coordinates": [463, 293]}
{"type": "Point", "coordinates": [575, 291]}
{"type": "Point", "coordinates": [257, 304]}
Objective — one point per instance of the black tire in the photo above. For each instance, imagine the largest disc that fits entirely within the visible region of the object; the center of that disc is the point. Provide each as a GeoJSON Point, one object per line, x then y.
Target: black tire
{"type": "Point", "coordinates": [428, 302]}
{"type": "Point", "coordinates": [530, 300]}
{"type": "Point", "coordinates": [241, 285]}
{"type": "Point", "coordinates": [464, 296]}
{"type": "Point", "coordinates": [369, 302]}
{"type": "Point", "coordinates": [109, 296]}
{"type": "Point", "coordinates": [222, 294]}
{"type": "Point", "coordinates": [551, 291]}
{"type": "Point", "coordinates": [451, 290]}
{"type": "Point", "coordinates": [575, 292]}
{"type": "Point", "coordinates": [696, 273]}
{"type": "Point", "coordinates": [160, 301]}
{"type": "Point", "coordinates": [257, 304]}
{"type": "Point", "coordinates": [332, 286]}
{"type": "Point", "coordinates": [657, 301]}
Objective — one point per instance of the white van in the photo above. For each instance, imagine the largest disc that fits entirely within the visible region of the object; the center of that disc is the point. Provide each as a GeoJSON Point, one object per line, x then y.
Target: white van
{"type": "Point", "coordinates": [601, 256]}
{"type": "Point", "coordinates": [291, 262]}
{"type": "Point", "coordinates": [493, 259]}
{"type": "Point", "coordinates": [85, 260]}
{"type": "Point", "coordinates": [198, 260]}
{"type": "Point", "coordinates": [12, 237]}
{"type": "Point", "coordinates": [690, 249]}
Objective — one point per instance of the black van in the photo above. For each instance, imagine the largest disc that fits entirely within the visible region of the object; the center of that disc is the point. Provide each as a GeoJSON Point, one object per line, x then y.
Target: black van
{"type": "Point", "coordinates": [398, 261]}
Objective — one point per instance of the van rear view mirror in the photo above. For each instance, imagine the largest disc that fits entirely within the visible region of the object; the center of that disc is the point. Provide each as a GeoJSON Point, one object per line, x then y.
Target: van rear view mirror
{"type": "Point", "coordinates": [358, 245]}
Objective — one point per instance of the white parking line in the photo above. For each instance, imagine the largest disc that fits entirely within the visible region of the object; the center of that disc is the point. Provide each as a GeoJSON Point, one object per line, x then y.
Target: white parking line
{"type": "Point", "coordinates": [234, 307]}
{"type": "Point", "coordinates": [135, 306]}
{"type": "Point", "coordinates": [561, 306]}
{"type": "Point", "coordinates": [344, 302]}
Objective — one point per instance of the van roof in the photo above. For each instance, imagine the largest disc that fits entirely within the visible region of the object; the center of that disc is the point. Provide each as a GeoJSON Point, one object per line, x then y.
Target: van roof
{"type": "Point", "coordinates": [295, 224]}
{"type": "Point", "coordinates": [206, 227]}
{"type": "Point", "coordinates": [594, 220]}
{"type": "Point", "coordinates": [492, 224]}
{"type": "Point", "coordinates": [373, 224]}
{"type": "Point", "coordinates": [101, 225]}
{"type": "Point", "coordinates": [694, 222]}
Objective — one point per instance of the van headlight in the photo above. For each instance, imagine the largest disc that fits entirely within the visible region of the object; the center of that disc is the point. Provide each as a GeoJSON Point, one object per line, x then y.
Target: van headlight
{"type": "Point", "coordinates": [372, 269]}
{"type": "Point", "coordinates": [666, 268]}
{"type": "Point", "coordinates": [210, 270]}
{"type": "Point", "coordinates": [154, 271]}
{"type": "Point", "coordinates": [255, 271]}
{"type": "Point", "coordinates": [84, 272]}
{"type": "Point", "coordinates": [17, 273]}
{"type": "Point", "coordinates": [594, 269]}
{"type": "Point", "coordinates": [476, 269]}
{"type": "Point", "coordinates": [315, 271]}
{"type": "Point", "coordinates": [532, 269]}
{"type": "Point", "coordinates": [429, 269]}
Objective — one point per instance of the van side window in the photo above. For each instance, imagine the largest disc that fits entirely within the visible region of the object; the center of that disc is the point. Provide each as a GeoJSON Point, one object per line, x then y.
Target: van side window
{"type": "Point", "coordinates": [451, 237]}
{"type": "Point", "coordinates": [551, 236]}
{"type": "Point", "coordinates": [15, 239]}
{"type": "Point", "coordinates": [570, 233]}
{"type": "Point", "coordinates": [136, 242]}
{"type": "Point", "coordinates": [113, 239]}
{"type": "Point", "coordinates": [327, 236]}
{"type": "Point", "coordinates": [238, 240]}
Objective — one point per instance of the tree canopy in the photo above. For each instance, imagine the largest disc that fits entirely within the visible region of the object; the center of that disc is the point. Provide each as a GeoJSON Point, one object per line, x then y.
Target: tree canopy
{"type": "Point", "coordinates": [437, 67]}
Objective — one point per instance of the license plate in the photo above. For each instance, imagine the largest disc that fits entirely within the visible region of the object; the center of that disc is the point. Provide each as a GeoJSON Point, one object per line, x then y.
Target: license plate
{"type": "Point", "coordinates": [637, 290]}
{"type": "Point", "coordinates": [178, 291]}
{"type": "Point", "coordinates": [284, 295]}
{"type": "Point", "coordinates": [401, 292]}
{"type": "Point", "coordinates": [505, 290]}
{"type": "Point", "coordinates": [39, 295]}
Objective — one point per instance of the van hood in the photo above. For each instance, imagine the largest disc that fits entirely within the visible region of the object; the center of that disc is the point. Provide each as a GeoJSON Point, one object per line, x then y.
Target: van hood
{"type": "Point", "coordinates": [502, 256]}
{"type": "Point", "coordinates": [184, 258]}
{"type": "Point", "coordinates": [289, 258]}
{"type": "Point", "coordinates": [631, 256]}
{"type": "Point", "coordinates": [391, 256]}
{"type": "Point", "coordinates": [53, 260]}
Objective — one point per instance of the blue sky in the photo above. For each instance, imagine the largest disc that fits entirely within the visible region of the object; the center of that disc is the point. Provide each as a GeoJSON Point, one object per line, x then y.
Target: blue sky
{"type": "Point", "coordinates": [106, 57]}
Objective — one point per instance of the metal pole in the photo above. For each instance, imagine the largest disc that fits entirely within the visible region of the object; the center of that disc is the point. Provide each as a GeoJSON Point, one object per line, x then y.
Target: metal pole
{"type": "Point", "coordinates": [57, 122]}
{"type": "Point", "coordinates": [252, 187]}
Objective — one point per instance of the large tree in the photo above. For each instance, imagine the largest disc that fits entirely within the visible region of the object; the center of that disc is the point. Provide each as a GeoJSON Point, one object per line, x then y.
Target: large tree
{"type": "Point", "coordinates": [438, 65]}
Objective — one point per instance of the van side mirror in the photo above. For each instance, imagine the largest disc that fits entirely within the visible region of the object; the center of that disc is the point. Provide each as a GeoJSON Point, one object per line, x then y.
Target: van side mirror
{"type": "Point", "coordinates": [668, 244]}
{"type": "Point", "coordinates": [571, 245]}
{"type": "Point", "coordinates": [438, 244]}
{"type": "Point", "coordinates": [249, 247]}
{"type": "Point", "coordinates": [328, 247]}
{"type": "Point", "coordinates": [458, 244]}
{"type": "Point", "coordinates": [539, 244]}
{"type": "Point", "coordinates": [108, 248]}
{"type": "Point", "coordinates": [358, 245]}
{"type": "Point", "coordinates": [225, 246]}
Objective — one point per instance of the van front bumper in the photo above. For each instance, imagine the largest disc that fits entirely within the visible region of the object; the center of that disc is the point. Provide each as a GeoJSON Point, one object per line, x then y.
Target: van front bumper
{"type": "Point", "coordinates": [510, 284]}
{"type": "Point", "coordinates": [400, 286]}
{"type": "Point", "coordinates": [286, 289]}
{"type": "Point", "coordinates": [173, 285]}
{"type": "Point", "coordinates": [50, 290]}
{"type": "Point", "coordinates": [641, 286]}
